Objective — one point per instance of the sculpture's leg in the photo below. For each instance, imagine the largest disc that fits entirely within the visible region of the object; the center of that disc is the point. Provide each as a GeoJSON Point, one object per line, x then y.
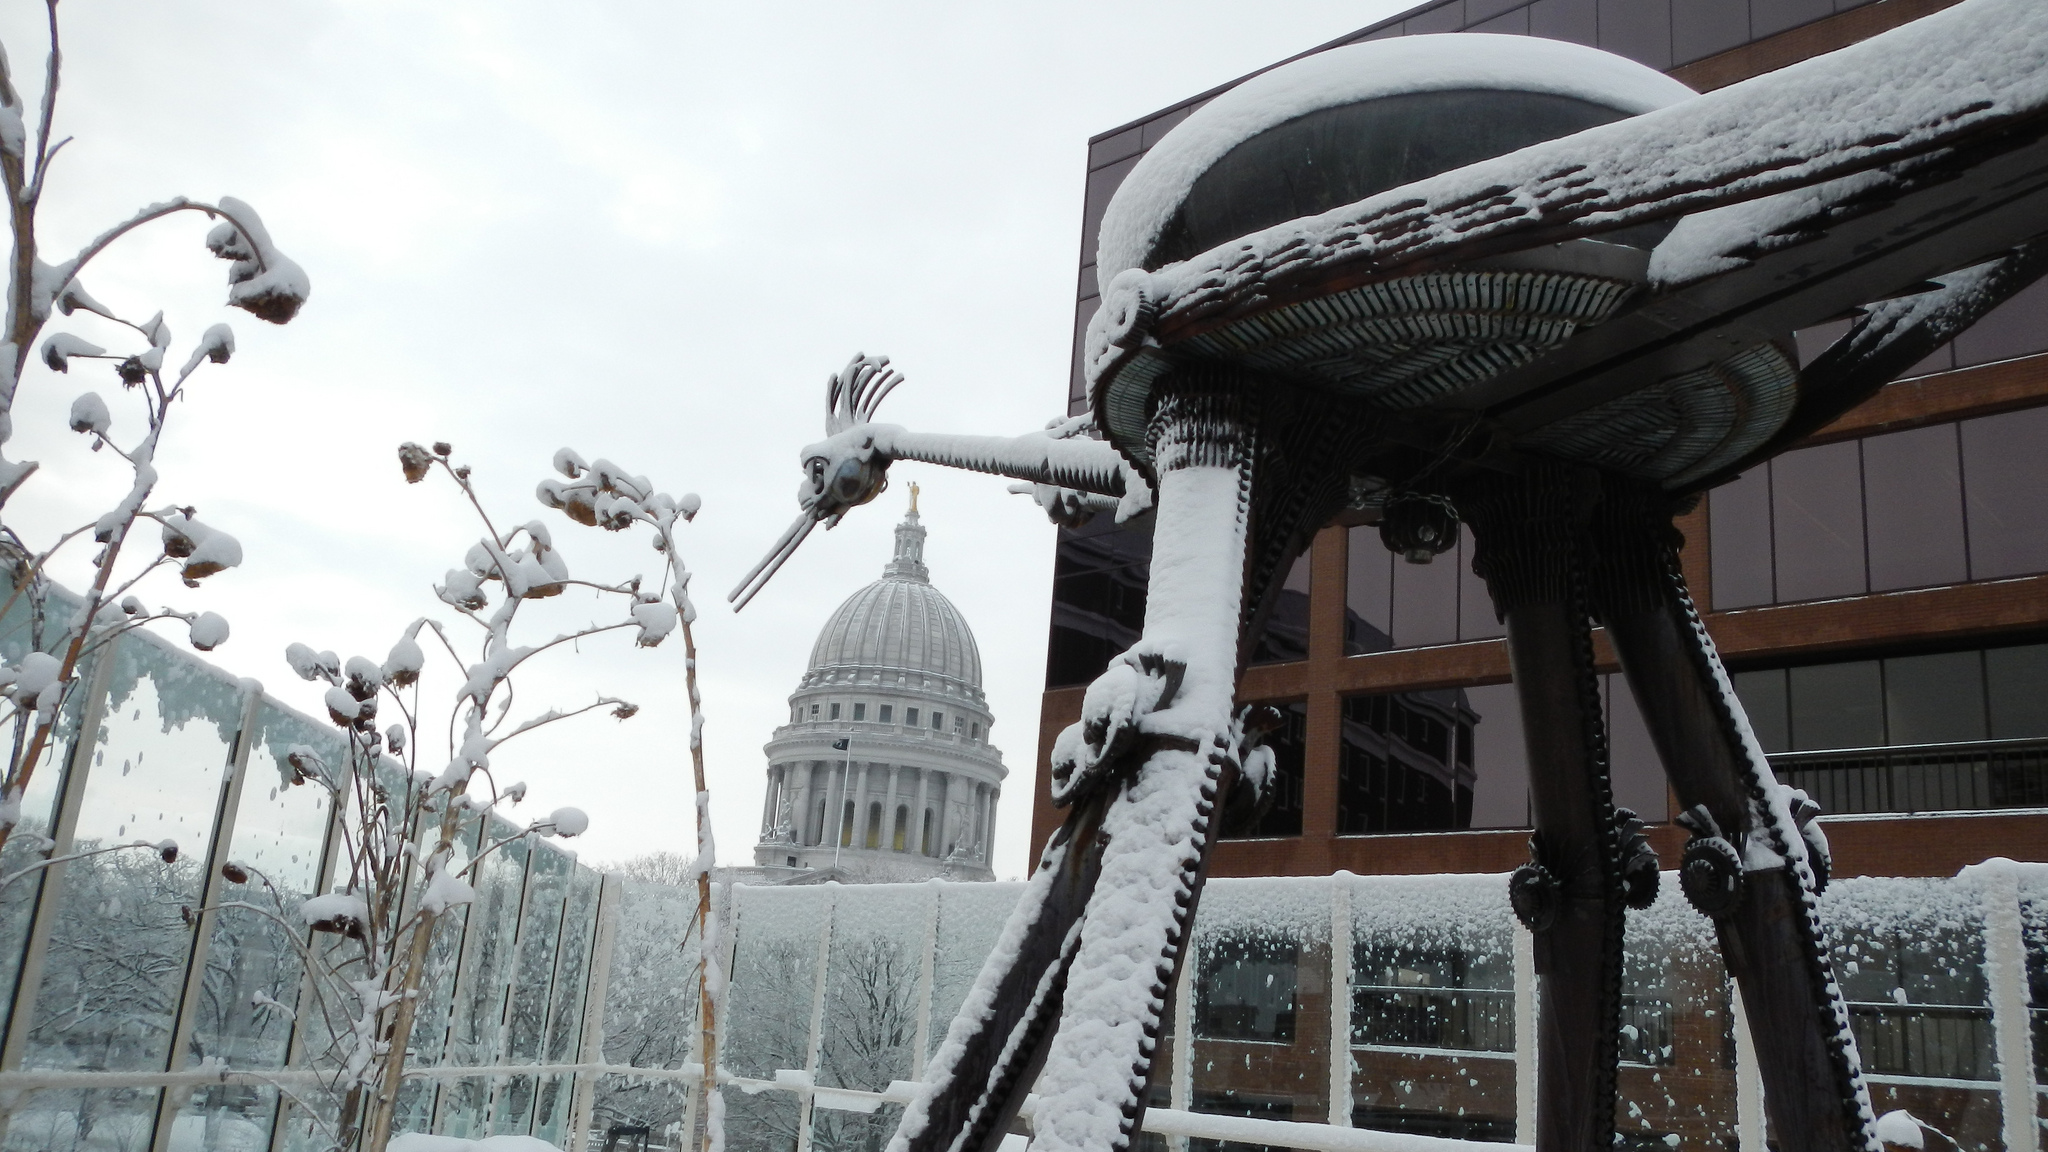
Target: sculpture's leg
{"type": "Point", "coordinates": [1133, 853]}
{"type": "Point", "coordinates": [1570, 896]}
{"type": "Point", "coordinates": [1750, 864]}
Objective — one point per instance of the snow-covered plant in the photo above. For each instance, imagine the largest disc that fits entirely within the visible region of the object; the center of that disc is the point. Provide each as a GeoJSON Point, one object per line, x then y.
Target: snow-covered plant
{"type": "Point", "coordinates": [417, 774]}
{"type": "Point", "coordinates": [62, 632]}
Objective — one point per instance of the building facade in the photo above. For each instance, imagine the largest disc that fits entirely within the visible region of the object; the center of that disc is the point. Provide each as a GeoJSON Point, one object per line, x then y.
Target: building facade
{"type": "Point", "coordinates": [885, 771]}
{"type": "Point", "coordinates": [1880, 594]}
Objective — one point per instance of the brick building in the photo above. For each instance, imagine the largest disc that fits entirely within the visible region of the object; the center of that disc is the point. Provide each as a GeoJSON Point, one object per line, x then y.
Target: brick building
{"type": "Point", "coordinates": [1880, 593]}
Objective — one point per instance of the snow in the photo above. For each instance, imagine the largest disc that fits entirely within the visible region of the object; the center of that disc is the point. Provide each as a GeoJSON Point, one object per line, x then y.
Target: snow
{"type": "Point", "coordinates": [569, 821]}
{"type": "Point", "coordinates": [58, 350]}
{"type": "Point", "coordinates": [1353, 74]}
{"type": "Point", "coordinates": [209, 631]}
{"type": "Point", "coordinates": [1899, 1127]}
{"type": "Point", "coordinates": [446, 890]}
{"type": "Point", "coordinates": [262, 280]}
{"type": "Point", "coordinates": [1969, 69]}
{"type": "Point", "coordinates": [216, 344]}
{"type": "Point", "coordinates": [334, 907]}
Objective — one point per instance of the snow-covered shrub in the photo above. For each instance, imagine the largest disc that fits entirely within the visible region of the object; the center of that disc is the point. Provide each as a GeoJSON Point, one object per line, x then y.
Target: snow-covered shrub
{"type": "Point", "coordinates": [416, 780]}
{"type": "Point", "coordinates": [140, 375]}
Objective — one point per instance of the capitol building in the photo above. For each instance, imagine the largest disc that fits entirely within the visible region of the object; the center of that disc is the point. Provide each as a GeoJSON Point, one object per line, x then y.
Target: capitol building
{"type": "Point", "coordinates": [884, 772]}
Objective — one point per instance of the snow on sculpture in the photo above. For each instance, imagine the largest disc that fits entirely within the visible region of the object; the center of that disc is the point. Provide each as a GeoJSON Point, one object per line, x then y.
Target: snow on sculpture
{"type": "Point", "coordinates": [1543, 291]}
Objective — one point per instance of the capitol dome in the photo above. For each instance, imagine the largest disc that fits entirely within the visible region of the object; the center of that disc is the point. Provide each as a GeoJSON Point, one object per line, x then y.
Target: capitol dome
{"type": "Point", "coordinates": [884, 771]}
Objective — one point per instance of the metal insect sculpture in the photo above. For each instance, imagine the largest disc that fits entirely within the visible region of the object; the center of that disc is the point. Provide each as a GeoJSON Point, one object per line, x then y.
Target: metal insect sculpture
{"type": "Point", "coordinates": [1540, 290]}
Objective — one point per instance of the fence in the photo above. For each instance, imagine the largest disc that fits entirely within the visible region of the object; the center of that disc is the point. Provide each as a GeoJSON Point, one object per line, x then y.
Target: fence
{"type": "Point", "coordinates": [1331, 1013]}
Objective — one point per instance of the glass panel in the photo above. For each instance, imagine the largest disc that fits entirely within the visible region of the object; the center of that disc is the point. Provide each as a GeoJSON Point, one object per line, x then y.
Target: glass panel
{"type": "Point", "coordinates": [1099, 575]}
{"type": "Point", "coordinates": [1739, 540]}
{"type": "Point", "coordinates": [781, 934]}
{"type": "Point", "coordinates": [870, 1021]}
{"type": "Point", "coordinates": [82, 1120]}
{"type": "Point", "coordinates": [623, 1104]}
{"type": "Point", "coordinates": [1432, 1006]}
{"type": "Point", "coordinates": [1290, 758]}
{"type": "Point", "coordinates": [1764, 701]}
{"type": "Point", "coordinates": [225, 1118]}
{"type": "Point", "coordinates": [1286, 635]}
{"type": "Point", "coordinates": [1837, 706]}
{"type": "Point", "coordinates": [572, 968]}
{"type": "Point", "coordinates": [1426, 601]}
{"type": "Point", "coordinates": [526, 1011]}
{"type": "Point", "coordinates": [1935, 699]}
{"type": "Point", "coordinates": [2012, 329]}
{"type": "Point", "coordinates": [2016, 681]}
{"type": "Point", "coordinates": [1677, 1078]}
{"type": "Point", "coordinates": [119, 942]}
{"type": "Point", "coordinates": [1910, 958]}
{"type": "Point", "coordinates": [1368, 592]}
{"type": "Point", "coordinates": [38, 814]}
{"type": "Point", "coordinates": [2005, 485]}
{"type": "Point", "coordinates": [1500, 758]}
{"type": "Point", "coordinates": [1405, 763]}
{"type": "Point", "coordinates": [971, 917]}
{"type": "Point", "coordinates": [1476, 619]}
{"type": "Point", "coordinates": [477, 1031]}
{"type": "Point", "coordinates": [1262, 1009]}
{"type": "Point", "coordinates": [650, 1004]}
{"type": "Point", "coordinates": [1638, 773]}
{"type": "Point", "coordinates": [1913, 491]}
{"type": "Point", "coordinates": [1817, 522]}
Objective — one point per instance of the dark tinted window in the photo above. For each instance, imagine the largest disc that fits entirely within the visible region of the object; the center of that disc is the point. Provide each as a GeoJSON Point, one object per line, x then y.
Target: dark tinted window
{"type": "Point", "coordinates": [2016, 680]}
{"type": "Point", "coordinates": [2005, 478]}
{"type": "Point", "coordinates": [1290, 761]}
{"type": "Point", "coordinates": [1739, 536]}
{"type": "Point", "coordinates": [1368, 593]}
{"type": "Point", "coordinates": [1913, 486]}
{"type": "Point", "coordinates": [1099, 576]}
{"type": "Point", "coordinates": [1837, 706]}
{"type": "Point", "coordinates": [1286, 635]}
{"type": "Point", "coordinates": [1935, 699]}
{"type": "Point", "coordinates": [2018, 327]}
{"type": "Point", "coordinates": [1405, 763]}
{"type": "Point", "coordinates": [1817, 522]}
{"type": "Point", "coordinates": [1426, 601]}
{"type": "Point", "coordinates": [1763, 699]}
{"type": "Point", "coordinates": [1637, 773]}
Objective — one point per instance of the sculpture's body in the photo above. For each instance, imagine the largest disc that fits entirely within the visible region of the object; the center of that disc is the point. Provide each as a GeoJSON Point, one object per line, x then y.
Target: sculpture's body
{"type": "Point", "coordinates": [1306, 305]}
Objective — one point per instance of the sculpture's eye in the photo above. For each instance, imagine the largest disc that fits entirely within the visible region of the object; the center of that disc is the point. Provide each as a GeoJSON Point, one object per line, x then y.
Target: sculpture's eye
{"type": "Point", "coordinates": [847, 481]}
{"type": "Point", "coordinates": [816, 465]}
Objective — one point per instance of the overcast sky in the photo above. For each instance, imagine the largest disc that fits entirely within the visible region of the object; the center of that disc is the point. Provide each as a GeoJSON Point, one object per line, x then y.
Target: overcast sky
{"type": "Point", "coordinates": [648, 231]}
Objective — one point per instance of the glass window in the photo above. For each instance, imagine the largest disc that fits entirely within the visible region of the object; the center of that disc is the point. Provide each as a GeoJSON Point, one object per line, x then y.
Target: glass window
{"type": "Point", "coordinates": [1764, 701]}
{"type": "Point", "coordinates": [1290, 757]}
{"type": "Point", "coordinates": [976, 733]}
{"type": "Point", "coordinates": [1405, 764]}
{"type": "Point", "coordinates": [1099, 576]}
{"type": "Point", "coordinates": [119, 942]}
{"type": "Point", "coordinates": [776, 953]}
{"type": "Point", "coordinates": [1246, 990]}
{"type": "Point", "coordinates": [2005, 482]}
{"type": "Point", "coordinates": [1913, 488]}
{"type": "Point", "coordinates": [910, 717]}
{"type": "Point", "coordinates": [1935, 699]}
{"type": "Point", "coordinates": [2016, 682]}
{"type": "Point", "coordinates": [885, 713]}
{"type": "Point", "coordinates": [1639, 31]}
{"type": "Point", "coordinates": [1368, 592]}
{"type": "Point", "coordinates": [1817, 522]}
{"type": "Point", "coordinates": [971, 918]}
{"type": "Point", "coordinates": [1739, 538]}
{"type": "Point", "coordinates": [1500, 758]}
{"type": "Point", "coordinates": [835, 711]}
{"type": "Point", "coordinates": [1476, 619]}
{"type": "Point", "coordinates": [1704, 27]}
{"type": "Point", "coordinates": [1837, 706]}
{"type": "Point", "coordinates": [860, 711]}
{"type": "Point", "coordinates": [1409, 995]}
{"type": "Point", "coordinates": [1286, 636]}
{"type": "Point", "coordinates": [870, 1017]}
{"type": "Point", "coordinates": [2014, 328]}
{"type": "Point", "coordinates": [1426, 600]}
{"type": "Point", "coordinates": [814, 709]}
{"type": "Point", "coordinates": [1637, 773]}
{"type": "Point", "coordinates": [938, 721]}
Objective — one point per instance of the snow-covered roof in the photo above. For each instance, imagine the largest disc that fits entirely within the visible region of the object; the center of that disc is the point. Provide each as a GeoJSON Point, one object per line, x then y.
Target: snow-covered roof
{"type": "Point", "coordinates": [1354, 74]}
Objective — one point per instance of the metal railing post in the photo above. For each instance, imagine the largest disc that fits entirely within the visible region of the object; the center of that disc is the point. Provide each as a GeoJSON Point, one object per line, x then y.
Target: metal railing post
{"type": "Point", "coordinates": [1525, 1035]}
{"type": "Point", "coordinates": [2005, 973]}
{"type": "Point", "coordinates": [1340, 999]}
